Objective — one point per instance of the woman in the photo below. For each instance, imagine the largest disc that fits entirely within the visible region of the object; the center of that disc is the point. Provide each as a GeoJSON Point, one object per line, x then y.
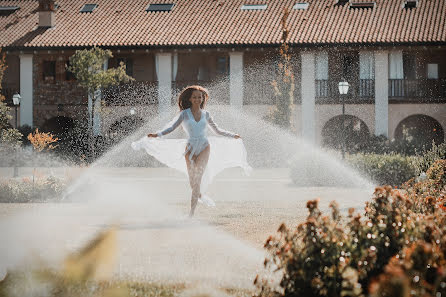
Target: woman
{"type": "Point", "coordinates": [197, 151]}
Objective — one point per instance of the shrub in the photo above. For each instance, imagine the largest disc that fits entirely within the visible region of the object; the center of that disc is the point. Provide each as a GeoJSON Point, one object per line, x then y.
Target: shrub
{"type": "Point", "coordinates": [437, 152]}
{"type": "Point", "coordinates": [41, 189]}
{"type": "Point", "coordinates": [392, 169]}
{"type": "Point", "coordinates": [401, 234]}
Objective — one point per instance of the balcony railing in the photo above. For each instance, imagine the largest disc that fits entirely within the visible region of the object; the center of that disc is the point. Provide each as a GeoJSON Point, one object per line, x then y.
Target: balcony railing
{"type": "Point", "coordinates": [219, 89]}
{"type": "Point", "coordinates": [328, 90]}
{"type": "Point", "coordinates": [426, 89]}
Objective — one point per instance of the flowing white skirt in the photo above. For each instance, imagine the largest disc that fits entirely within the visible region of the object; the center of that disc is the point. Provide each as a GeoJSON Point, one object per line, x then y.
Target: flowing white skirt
{"type": "Point", "coordinates": [225, 153]}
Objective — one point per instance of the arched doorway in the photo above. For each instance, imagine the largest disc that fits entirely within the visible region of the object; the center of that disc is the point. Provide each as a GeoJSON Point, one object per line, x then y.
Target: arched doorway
{"type": "Point", "coordinates": [348, 130]}
{"type": "Point", "coordinates": [419, 131]}
{"type": "Point", "coordinates": [123, 127]}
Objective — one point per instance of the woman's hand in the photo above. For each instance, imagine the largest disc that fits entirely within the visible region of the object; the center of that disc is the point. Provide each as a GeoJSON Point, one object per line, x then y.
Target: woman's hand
{"type": "Point", "coordinates": [152, 135]}
{"type": "Point", "coordinates": [236, 136]}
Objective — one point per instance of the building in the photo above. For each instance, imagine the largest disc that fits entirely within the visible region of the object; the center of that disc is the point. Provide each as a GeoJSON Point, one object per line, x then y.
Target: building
{"type": "Point", "coordinates": [392, 53]}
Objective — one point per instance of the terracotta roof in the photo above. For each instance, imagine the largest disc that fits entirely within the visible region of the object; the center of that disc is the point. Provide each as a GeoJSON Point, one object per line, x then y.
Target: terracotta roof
{"type": "Point", "coordinates": [222, 22]}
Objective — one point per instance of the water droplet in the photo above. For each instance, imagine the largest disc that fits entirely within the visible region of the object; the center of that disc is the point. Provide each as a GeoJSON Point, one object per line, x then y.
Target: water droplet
{"type": "Point", "coordinates": [322, 251]}
{"type": "Point", "coordinates": [369, 224]}
{"type": "Point", "coordinates": [369, 235]}
{"type": "Point", "coordinates": [373, 248]}
{"type": "Point", "coordinates": [402, 230]}
{"type": "Point", "coordinates": [386, 243]}
{"type": "Point", "coordinates": [443, 285]}
{"type": "Point", "coordinates": [342, 259]}
{"type": "Point", "coordinates": [416, 279]}
{"type": "Point", "coordinates": [438, 294]}
{"type": "Point", "coordinates": [365, 262]}
{"type": "Point", "coordinates": [399, 224]}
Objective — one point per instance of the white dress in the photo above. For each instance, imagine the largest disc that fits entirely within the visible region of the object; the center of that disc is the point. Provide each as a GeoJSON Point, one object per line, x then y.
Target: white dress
{"type": "Point", "coordinates": [225, 152]}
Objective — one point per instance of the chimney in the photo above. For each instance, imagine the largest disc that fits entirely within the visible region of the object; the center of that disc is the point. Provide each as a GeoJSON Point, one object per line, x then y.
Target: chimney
{"type": "Point", "coordinates": [46, 11]}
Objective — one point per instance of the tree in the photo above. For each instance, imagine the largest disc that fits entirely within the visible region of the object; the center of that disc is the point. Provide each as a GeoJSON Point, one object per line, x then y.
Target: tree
{"type": "Point", "coordinates": [10, 138]}
{"type": "Point", "coordinates": [284, 84]}
{"type": "Point", "coordinates": [88, 68]}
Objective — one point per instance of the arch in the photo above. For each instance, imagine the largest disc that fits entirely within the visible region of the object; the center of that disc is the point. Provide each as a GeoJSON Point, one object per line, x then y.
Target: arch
{"type": "Point", "coordinates": [59, 125]}
{"type": "Point", "coordinates": [420, 130]}
{"type": "Point", "coordinates": [348, 128]}
{"type": "Point", "coordinates": [123, 127]}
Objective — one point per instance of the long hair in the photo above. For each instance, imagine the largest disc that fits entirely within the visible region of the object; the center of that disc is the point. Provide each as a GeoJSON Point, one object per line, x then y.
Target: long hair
{"type": "Point", "coordinates": [186, 93]}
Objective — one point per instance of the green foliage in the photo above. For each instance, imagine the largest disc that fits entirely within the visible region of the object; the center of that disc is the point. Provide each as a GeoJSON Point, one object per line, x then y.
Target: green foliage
{"type": "Point", "coordinates": [39, 189]}
{"type": "Point", "coordinates": [437, 152]}
{"type": "Point", "coordinates": [397, 246]}
{"type": "Point", "coordinates": [392, 169]}
{"type": "Point", "coordinates": [284, 85]}
{"type": "Point", "coordinates": [87, 66]}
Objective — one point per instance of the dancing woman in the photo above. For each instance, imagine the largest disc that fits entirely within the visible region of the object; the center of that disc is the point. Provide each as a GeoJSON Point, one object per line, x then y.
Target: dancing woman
{"type": "Point", "coordinates": [197, 151]}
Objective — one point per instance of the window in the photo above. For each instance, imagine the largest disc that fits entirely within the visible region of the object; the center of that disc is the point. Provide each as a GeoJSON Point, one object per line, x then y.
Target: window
{"type": "Point", "coordinates": [49, 70]}
{"type": "Point", "coordinates": [159, 7]}
{"type": "Point", "coordinates": [254, 6]}
{"type": "Point", "coordinates": [410, 4]}
{"type": "Point", "coordinates": [432, 71]}
{"type": "Point", "coordinates": [409, 66]}
{"type": "Point", "coordinates": [362, 5]}
{"type": "Point", "coordinates": [128, 65]}
{"type": "Point", "coordinates": [7, 10]}
{"type": "Point", "coordinates": [322, 66]}
{"type": "Point", "coordinates": [68, 74]}
{"type": "Point", "coordinates": [347, 63]}
{"type": "Point", "coordinates": [301, 6]}
{"type": "Point", "coordinates": [88, 7]}
{"type": "Point", "coordinates": [222, 65]}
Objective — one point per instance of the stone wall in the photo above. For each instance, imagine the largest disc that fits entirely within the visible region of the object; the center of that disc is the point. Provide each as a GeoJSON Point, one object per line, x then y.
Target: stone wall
{"type": "Point", "coordinates": [58, 96]}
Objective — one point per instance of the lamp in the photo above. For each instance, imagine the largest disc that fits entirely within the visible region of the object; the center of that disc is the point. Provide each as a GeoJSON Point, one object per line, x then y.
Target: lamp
{"type": "Point", "coordinates": [343, 90]}
{"type": "Point", "coordinates": [343, 87]}
{"type": "Point", "coordinates": [16, 100]}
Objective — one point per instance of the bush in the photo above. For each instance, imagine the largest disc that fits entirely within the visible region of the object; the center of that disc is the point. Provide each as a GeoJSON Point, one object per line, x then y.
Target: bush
{"type": "Point", "coordinates": [422, 163]}
{"type": "Point", "coordinates": [398, 244]}
{"type": "Point", "coordinates": [41, 189]}
{"type": "Point", "coordinates": [392, 169]}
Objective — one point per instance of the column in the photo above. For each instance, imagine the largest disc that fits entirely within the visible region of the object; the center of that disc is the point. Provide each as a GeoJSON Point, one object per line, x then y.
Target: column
{"type": "Point", "coordinates": [308, 93]}
{"type": "Point", "coordinates": [236, 79]}
{"type": "Point", "coordinates": [26, 89]}
{"type": "Point", "coordinates": [163, 62]}
{"type": "Point", "coordinates": [381, 93]}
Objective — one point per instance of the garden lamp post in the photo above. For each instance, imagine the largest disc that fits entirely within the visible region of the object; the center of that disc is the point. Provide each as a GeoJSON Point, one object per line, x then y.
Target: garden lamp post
{"type": "Point", "coordinates": [343, 90]}
{"type": "Point", "coordinates": [16, 100]}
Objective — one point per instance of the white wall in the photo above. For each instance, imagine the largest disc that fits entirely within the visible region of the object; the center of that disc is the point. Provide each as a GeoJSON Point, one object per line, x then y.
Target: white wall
{"type": "Point", "coordinates": [26, 89]}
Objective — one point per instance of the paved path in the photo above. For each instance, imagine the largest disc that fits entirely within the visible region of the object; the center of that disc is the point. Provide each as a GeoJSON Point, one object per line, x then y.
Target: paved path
{"type": "Point", "coordinates": [156, 240]}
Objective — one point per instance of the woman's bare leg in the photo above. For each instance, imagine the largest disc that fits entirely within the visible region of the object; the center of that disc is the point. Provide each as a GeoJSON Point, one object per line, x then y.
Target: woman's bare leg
{"type": "Point", "coordinates": [196, 171]}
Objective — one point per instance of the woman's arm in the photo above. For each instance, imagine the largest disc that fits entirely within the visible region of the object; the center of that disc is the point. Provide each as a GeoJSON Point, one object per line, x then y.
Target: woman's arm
{"type": "Point", "coordinates": [217, 130]}
{"type": "Point", "coordinates": [166, 131]}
